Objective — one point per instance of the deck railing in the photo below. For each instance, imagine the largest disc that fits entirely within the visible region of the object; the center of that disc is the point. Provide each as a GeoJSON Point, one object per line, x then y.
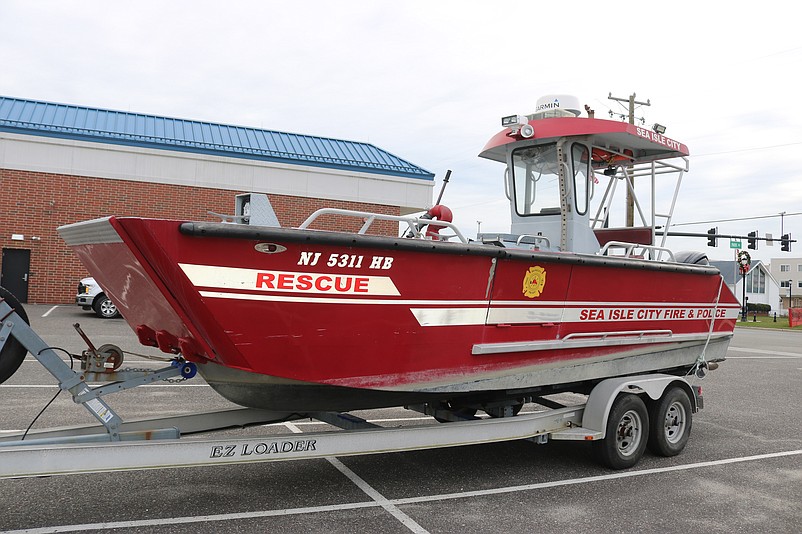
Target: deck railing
{"type": "Point", "coordinates": [415, 225]}
{"type": "Point", "coordinates": [655, 252]}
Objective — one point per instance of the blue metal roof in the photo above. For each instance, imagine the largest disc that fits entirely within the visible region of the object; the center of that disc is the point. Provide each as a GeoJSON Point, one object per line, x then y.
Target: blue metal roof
{"type": "Point", "coordinates": [121, 127]}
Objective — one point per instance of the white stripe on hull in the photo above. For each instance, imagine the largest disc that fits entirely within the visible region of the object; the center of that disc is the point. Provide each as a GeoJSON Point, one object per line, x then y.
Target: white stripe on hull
{"type": "Point", "coordinates": [451, 303]}
{"type": "Point", "coordinates": [288, 281]}
{"type": "Point", "coordinates": [472, 312]}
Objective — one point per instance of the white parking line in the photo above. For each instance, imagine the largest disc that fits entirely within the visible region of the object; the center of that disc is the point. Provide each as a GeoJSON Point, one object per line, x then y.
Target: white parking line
{"type": "Point", "coordinates": [50, 310]}
{"type": "Point", "coordinates": [144, 362]}
{"type": "Point", "coordinates": [197, 519]}
{"type": "Point", "coordinates": [599, 478]}
{"type": "Point", "coordinates": [369, 490]}
{"type": "Point", "coordinates": [764, 357]}
{"type": "Point", "coordinates": [52, 386]}
{"type": "Point", "coordinates": [770, 353]}
{"type": "Point", "coordinates": [380, 499]}
{"type": "Point", "coordinates": [401, 502]}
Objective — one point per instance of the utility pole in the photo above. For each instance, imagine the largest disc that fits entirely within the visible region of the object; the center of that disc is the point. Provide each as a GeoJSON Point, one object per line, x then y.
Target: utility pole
{"type": "Point", "coordinates": [630, 197]}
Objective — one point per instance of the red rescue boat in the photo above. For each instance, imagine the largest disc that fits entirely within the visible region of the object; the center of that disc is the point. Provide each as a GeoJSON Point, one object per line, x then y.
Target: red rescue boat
{"type": "Point", "coordinates": [304, 320]}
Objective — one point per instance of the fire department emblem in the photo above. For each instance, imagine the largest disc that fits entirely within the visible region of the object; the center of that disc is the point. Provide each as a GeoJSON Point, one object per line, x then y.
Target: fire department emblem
{"type": "Point", "coordinates": [534, 282]}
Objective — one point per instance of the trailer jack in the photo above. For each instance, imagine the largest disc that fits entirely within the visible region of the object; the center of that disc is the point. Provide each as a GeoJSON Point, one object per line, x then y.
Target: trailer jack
{"type": "Point", "coordinates": [97, 365]}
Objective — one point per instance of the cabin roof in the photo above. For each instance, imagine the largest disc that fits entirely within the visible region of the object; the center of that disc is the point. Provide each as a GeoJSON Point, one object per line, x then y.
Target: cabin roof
{"type": "Point", "coordinates": [645, 144]}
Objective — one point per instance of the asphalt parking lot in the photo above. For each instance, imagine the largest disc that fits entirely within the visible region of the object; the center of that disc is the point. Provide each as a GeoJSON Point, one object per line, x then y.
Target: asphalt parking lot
{"type": "Point", "coordinates": [741, 471]}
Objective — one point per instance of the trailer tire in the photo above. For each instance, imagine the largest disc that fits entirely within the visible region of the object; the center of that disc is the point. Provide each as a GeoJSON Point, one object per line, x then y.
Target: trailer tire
{"type": "Point", "coordinates": [627, 433]}
{"type": "Point", "coordinates": [13, 352]}
{"type": "Point", "coordinates": [671, 418]}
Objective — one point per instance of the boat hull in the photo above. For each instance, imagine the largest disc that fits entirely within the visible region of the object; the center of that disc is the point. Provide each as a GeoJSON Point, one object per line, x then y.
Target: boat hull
{"type": "Point", "coordinates": [306, 320]}
{"type": "Point", "coordinates": [268, 392]}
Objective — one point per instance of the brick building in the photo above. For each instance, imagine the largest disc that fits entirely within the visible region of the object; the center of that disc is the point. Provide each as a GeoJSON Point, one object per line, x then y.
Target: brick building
{"type": "Point", "coordinates": [61, 164]}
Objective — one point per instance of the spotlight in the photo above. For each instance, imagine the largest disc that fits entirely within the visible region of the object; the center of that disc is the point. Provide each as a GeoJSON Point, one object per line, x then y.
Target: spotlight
{"type": "Point", "coordinates": [518, 124]}
{"type": "Point", "coordinates": [511, 121]}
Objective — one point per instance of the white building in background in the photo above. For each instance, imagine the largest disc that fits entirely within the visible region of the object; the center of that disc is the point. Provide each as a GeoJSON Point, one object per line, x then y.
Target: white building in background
{"type": "Point", "coordinates": [761, 286]}
{"type": "Point", "coordinates": [788, 273]}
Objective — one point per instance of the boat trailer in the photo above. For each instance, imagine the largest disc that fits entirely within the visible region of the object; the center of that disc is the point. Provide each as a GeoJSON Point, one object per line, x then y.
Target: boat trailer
{"type": "Point", "coordinates": [615, 417]}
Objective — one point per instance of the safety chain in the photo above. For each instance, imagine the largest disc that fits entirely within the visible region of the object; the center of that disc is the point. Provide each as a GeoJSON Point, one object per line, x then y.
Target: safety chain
{"type": "Point", "coordinates": [146, 370]}
{"type": "Point", "coordinates": [157, 359]}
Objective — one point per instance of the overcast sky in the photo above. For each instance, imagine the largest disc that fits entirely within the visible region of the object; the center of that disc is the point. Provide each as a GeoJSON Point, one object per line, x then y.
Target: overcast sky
{"type": "Point", "coordinates": [430, 80]}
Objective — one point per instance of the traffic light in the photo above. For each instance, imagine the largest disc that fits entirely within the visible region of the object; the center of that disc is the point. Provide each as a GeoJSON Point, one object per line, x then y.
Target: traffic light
{"type": "Point", "coordinates": [786, 243]}
{"type": "Point", "coordinates": [752, 240]}
{"type": "Point", "coordinates": [711, 239]}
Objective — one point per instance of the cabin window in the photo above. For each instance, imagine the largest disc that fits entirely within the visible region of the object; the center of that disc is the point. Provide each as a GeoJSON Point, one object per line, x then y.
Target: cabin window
{"type": "Point", "coordinates": [581, 167]}
{"type": "Point", "coordinates": [536, 180]}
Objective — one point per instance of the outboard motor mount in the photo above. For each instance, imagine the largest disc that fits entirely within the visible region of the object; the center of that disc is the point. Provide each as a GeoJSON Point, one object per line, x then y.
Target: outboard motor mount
{"type": "Point", "coordinates": [692, 256]}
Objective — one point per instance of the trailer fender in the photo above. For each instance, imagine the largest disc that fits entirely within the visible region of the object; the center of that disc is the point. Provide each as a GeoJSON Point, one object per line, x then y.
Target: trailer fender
{"type": "Point", "coordinates": [601, 398]}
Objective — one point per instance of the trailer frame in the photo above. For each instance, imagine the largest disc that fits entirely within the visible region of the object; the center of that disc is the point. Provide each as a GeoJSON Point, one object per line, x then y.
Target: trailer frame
{"type": "Point", "coordinates": [157, 443]}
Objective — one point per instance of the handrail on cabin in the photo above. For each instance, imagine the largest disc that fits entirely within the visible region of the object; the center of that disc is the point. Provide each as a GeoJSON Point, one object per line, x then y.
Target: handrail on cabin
{"type": "Point", "coordinates": [536, 238]}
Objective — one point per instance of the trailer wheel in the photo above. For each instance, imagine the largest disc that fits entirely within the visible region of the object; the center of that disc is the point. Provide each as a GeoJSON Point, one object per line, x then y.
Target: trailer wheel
{"type": "Point", "coordinates": [13, 352]}
{"type": "Point", "coordinates": [671, 419]}
{"type": "Point", "coordinates": [627, 432]}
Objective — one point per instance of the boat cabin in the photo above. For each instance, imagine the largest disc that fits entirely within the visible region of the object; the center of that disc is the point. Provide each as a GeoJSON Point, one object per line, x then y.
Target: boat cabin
{"type": "Point", "coordinates": [562, 172]}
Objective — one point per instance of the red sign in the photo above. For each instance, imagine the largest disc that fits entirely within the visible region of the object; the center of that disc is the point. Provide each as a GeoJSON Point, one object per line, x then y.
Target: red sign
{"type": "Point", "coordinates": [794, 317]}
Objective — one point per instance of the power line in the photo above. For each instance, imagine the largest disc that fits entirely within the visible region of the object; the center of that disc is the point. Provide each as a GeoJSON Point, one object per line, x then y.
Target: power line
{"type": "Point", "coordinates": [738, 219]}
{"type": "Point", "coordinates": [747, 149]}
